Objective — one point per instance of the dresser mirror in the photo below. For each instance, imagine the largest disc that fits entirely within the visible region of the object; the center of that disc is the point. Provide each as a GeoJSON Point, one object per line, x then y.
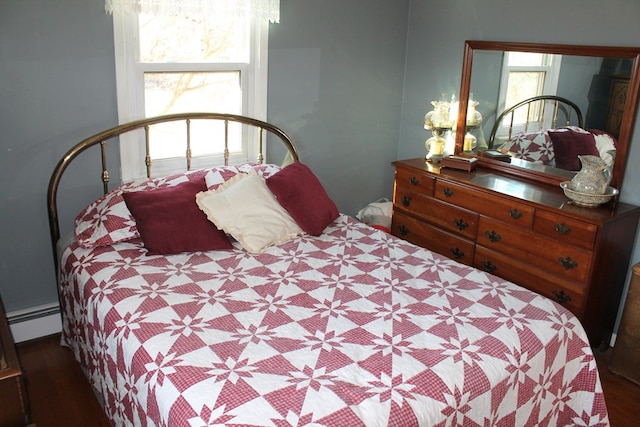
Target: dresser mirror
{"type": "Point", "coordinates": [603, 82]}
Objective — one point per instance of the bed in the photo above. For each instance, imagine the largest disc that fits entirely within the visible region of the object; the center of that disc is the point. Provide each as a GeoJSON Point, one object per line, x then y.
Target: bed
{"type": "Point", "coordinates": [549, 130]}
{"type": "Point", "coordinates": [336, 324]}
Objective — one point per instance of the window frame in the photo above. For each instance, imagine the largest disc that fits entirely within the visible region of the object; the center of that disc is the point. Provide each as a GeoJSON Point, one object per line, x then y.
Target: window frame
{"type": "Point", "coordinates": [130, 96]}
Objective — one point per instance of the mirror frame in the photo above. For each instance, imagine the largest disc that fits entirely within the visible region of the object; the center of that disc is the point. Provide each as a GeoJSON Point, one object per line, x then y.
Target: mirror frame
{"type": "Point", "coordinates": [546, 174]}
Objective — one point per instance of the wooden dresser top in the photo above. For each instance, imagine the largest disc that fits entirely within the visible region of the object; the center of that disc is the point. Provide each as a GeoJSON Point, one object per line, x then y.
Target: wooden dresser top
{"type": "Point", "coordinates": [492, 181]}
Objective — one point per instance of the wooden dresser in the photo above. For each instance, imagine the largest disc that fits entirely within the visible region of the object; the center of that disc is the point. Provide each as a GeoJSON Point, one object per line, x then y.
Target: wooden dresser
{"type": "Point", "coordinates": [14, 402]}
{"type": "Point", "coordinates": [526, 232]}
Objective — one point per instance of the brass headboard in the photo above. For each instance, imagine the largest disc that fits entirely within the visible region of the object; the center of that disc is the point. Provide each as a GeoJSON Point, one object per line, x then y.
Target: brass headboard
{"type": "Point", "coordinates": [111, 136]}
{"type": "Point", "coordinates": [536, 108]}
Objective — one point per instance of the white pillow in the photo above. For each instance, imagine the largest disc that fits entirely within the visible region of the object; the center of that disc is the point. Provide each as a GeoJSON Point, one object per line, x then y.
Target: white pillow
{"type": "Point", "coordinates": [245, 208]}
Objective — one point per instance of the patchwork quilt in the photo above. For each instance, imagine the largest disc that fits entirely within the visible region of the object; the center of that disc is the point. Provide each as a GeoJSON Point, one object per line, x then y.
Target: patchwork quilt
{"type": "Point", "coordinates": [351, 328]}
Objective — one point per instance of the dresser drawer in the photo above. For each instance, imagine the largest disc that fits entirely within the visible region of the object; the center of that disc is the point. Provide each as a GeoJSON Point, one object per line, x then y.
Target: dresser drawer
{"type": "Point", "coordinates": [410, 181]}
{"type": "Point", "coordinates": [409, 200]}
{"type": "Point", "coordinates": [432, 238]}
{"type": "Point", "coordinates": [445, 215]}
{"type": "Point", "coordinates": [565, 260]}
{"type": "Point", "coordinates": [564, 229]}
{"type": "Point", "coordinates": [453, 218]}
{"type": "Point", "coordinates": [496, 207]}
{"type": "Point", "coordinates": [568, 293]}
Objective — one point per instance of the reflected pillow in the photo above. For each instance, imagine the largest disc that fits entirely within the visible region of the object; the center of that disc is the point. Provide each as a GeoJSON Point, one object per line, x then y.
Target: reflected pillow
{"type": "Point", "coordinates": [300, 192]}
{"type": "Point", "coordinates": [606, 145]}
{"type": "Point", "coordinates": [169, 220]}
{"type": "Point", "coordinates": [569, 143]}
{"type": "Point", "coordinates": [245, 208]}
{"type": "Point", "coordinates": [532, 146]}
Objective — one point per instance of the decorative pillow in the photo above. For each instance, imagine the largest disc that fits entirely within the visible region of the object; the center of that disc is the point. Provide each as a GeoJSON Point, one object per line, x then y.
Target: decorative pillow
{"type": "Point", "coordinates": [569, 143]}
{"type": "Point", "coordinates": [220, 175]}
{"type": "Point", "coordinates": [532, 146]}
{"type": "Point", "coordinates": [245, 208]}
{"type": "Point", "coordinates": [606, 145]}
{"type": "Point", "coordinates": [300, 192]}
{"type": "Point", "coordinates": [169, 220]}
{"type": "Point", "coordinates": [107, 220]}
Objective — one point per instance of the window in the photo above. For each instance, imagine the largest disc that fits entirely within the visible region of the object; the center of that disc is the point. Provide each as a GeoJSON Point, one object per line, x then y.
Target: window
{"type": "Point", "coordinates": [525, 75]}
{"type": "Point", "coordinates": [173, 64]}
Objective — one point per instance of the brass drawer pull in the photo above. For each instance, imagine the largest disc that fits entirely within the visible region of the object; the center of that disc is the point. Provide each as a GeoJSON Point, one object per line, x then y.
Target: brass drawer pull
{"type": "Point", "coordinates": [561, 296]}
{"type": "Point", "coordinates": [403, 230]}
{"type": "Point", "coordinates": [460, 223]}
{"type": "Point", "coordinates": [492, 236]}
{"type": "Point", "coordinates": [568, 263]}
{"type": "Point", "coordinates": [457, 253]}
{"type": "Point", "coordinates": [562, 228]}
{"type": "Point", "coordinates": [447, 192]}
{"type": "Point", "coordinates": [414, 181]}
{"type": "Point", "coordinates": [515, 213]}
{"type": "Point", "coordinates": [488, 266]}
{"type": "Point", "coordinates": [406, 201]}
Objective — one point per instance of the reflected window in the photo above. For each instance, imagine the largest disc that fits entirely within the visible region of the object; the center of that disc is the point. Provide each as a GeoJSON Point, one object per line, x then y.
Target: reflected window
{"type": "Point", "coordinates": [525, 75]}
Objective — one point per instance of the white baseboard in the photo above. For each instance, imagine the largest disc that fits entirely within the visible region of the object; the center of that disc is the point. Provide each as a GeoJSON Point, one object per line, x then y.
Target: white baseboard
{"type": "Point", "coordinates": [35, 322]}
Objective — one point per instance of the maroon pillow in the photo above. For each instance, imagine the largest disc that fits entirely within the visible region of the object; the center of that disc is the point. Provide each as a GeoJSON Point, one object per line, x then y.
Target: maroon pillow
{"type": "Point", "coordinates": [301, 194]}
{"type": "Point", "coordinates": [568, 144]}
{"type": "Point", "coordinates": [169, 220]}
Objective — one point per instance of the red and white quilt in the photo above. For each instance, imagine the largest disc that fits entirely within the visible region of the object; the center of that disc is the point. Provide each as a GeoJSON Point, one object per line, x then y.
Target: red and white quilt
{"type": "Point", "coordinates": [351, 328]}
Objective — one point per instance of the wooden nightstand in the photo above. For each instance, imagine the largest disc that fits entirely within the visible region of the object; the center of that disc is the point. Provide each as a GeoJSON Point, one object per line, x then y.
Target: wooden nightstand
{"type": "Point", "coordinates": [14, 401]}
{"type": "Point", "coordinates": [625, 359]}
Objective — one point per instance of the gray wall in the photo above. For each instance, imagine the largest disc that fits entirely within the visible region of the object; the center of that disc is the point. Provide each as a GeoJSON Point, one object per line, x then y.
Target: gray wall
{"type": "Point", "coordinates": [350, 81]}
{"type": "Point", "coordinates": [57, 86]}
{"type": "Point", "coordinates": [335, 85]}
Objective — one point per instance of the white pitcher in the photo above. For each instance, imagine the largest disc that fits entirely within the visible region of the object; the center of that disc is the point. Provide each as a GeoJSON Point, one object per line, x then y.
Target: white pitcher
{"type": "Point", "coordinates": [593, 178]}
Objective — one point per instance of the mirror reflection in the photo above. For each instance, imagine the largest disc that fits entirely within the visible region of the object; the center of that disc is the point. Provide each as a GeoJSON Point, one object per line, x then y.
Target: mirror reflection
{"type": "Point", "coordinates": [543, 105]}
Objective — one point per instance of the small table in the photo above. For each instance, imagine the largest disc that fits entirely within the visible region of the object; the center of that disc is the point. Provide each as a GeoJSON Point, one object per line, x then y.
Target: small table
{"type": "Point", "coordinates": [626, 352]}
{"type": "Point", "coordinates": [14, 401]}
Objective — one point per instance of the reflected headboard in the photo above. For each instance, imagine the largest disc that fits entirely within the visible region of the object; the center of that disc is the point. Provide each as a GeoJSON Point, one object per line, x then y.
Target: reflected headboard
{"type": "Point", "coordinates": [540, 112]}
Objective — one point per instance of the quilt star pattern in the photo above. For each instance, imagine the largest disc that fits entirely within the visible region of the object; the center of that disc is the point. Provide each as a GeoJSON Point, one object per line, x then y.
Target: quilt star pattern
{"type": "Point", "coordinates": [351, 328]}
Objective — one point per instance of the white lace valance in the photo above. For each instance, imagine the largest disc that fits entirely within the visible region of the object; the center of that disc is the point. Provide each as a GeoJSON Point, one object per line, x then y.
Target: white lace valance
{"type": "Point", "coordinates": [267, 9]}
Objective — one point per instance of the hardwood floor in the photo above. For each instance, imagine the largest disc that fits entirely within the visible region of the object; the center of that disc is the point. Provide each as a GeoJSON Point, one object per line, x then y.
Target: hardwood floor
{"type": "Point", "coordinates": [59, 393]}
{"type": "Point", "coordinates": [622, 396]}
{"type": "Point", "coordinates": [61, 396]}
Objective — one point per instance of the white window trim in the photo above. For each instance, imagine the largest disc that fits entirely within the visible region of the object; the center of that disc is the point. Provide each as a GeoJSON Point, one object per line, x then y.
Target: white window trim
{"type": "Point", "coordinates": [130, 95]}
